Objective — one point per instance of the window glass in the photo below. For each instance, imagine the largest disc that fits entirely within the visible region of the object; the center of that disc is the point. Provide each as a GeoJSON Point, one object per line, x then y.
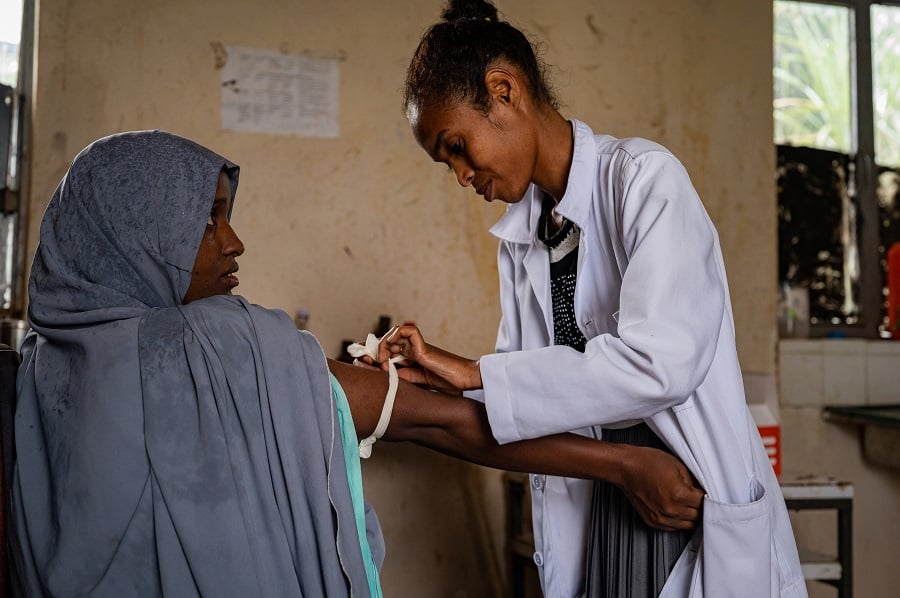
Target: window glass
{"type": "Point", "coordinates": [10, 34]}
{"type": "Point", "coordinates": [812, 104]}
{"type": "Point", "coordinates": [818, 253]}
{"type": "Point", "coordinates": [886, 82]}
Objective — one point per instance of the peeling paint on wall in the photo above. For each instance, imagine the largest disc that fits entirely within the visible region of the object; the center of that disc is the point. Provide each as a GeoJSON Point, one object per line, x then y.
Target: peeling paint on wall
{"type": "Point", "coordinates": [220, 54]}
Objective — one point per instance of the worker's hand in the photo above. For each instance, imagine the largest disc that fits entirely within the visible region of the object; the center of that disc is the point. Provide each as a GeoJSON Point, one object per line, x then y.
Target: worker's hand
{"type": "Point", "coordinates": [661, 489]}
{"type": "Point", "coordinates": [427, 365]}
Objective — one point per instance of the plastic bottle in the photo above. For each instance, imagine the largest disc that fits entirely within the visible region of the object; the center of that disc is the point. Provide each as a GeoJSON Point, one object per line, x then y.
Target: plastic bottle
{"type": "Point", "coordinates": [384, 324]}
{"type": "Point", "coordinates": [301, 318]}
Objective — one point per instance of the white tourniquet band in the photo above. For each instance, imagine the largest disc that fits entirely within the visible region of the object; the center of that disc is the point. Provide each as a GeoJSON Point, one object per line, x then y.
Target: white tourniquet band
{"type": "Point", "coordinates": [358, 350]}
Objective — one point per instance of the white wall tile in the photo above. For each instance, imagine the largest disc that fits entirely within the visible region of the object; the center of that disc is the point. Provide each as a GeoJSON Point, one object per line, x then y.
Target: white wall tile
{"type": "Point", "coordinates": [800, 373]}
{"type": "Point", "coordinates": [844, 369]}
{"type": "Point", "coordinates": [883, 372]}
{"type": "Point", "coordinates": [815, 372]}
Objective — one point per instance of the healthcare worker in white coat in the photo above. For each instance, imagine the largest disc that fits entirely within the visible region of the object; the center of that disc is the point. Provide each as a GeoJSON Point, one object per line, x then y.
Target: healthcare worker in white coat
{"type": "Point", "coordinates": [623, 324]}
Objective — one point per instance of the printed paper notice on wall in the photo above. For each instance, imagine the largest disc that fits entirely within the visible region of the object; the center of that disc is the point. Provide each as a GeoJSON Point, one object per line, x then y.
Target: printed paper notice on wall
{"type": "Point", "coordinates": [265, 91]}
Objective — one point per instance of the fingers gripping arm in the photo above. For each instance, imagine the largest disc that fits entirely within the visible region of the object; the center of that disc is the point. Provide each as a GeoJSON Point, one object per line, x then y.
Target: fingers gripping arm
{"type": "Point", "coordinates": [432, 366]}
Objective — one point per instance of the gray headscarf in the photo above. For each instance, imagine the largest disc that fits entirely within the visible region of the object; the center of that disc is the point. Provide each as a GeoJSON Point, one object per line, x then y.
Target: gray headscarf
{"type": "Point", "coordinates": [167, 449]}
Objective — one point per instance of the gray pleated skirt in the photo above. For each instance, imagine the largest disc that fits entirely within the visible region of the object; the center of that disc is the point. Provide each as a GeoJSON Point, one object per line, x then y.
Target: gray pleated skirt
{"type": "Point", "coordinates": [626, 558]}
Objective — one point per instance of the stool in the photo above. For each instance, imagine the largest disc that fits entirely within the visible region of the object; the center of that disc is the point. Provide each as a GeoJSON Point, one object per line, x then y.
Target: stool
{"type": "Point", "coordinates": [812, 492]}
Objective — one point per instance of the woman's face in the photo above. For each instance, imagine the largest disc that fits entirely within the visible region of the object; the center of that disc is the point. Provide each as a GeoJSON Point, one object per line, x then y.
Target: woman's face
{"type": "Point", "coordinates": [216, 263]}
{"type": "Point", "coordinates": [494, 153]}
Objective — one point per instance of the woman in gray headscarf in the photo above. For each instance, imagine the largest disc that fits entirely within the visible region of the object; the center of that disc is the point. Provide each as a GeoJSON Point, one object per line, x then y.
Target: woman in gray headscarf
{"type": "Point", "coordinates": [173, 439]}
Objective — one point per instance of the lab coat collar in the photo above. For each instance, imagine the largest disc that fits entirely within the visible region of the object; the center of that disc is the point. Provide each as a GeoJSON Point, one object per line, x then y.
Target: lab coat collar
{"type": "Point", "coordinates": [520, 223]}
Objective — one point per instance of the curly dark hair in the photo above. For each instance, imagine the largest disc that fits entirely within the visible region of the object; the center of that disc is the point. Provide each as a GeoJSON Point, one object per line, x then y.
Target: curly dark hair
{"type": "Point", "coordinates": [453, 55]}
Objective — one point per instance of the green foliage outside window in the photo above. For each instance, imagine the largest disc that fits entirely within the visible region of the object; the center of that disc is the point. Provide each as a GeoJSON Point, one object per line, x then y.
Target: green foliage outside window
{"type": "Point", "coordinates": [812, 75]}
{"type": "Point", "coordinates": [886, 67]}
{"type": "Point", "coordinates": [813, 100]}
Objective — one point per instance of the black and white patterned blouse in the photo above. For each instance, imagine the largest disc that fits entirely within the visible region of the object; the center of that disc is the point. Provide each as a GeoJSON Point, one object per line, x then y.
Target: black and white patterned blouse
{"type": "Point", "coordinates": [562, 237]}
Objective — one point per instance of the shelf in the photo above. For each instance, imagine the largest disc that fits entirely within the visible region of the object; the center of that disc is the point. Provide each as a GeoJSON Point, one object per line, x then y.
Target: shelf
{"type": "Point", "coordinates": [878, 415]}
{"type": "Point", "coordinates": [813, 487]}
{"type": "Point", "coordinates": [819, 567]}
{"type": "Point", "coordinates": [802, 492]}
{"type": "Point", "coordinates": [880, 430]}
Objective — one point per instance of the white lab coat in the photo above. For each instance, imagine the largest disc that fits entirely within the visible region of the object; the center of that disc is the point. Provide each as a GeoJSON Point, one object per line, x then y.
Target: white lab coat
{"type": "Point", "coordinates": [652, 300]}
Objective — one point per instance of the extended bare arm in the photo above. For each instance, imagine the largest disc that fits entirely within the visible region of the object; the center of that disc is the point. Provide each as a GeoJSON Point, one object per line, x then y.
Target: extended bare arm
{"type": "Point", "coordinates": [656, 483]}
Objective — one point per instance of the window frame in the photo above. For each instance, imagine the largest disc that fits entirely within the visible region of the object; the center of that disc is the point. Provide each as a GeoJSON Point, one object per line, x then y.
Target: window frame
{"type": "Point", "coordinates": [14, 197]}
{"type": "Point", "coordinates": [862, 154]}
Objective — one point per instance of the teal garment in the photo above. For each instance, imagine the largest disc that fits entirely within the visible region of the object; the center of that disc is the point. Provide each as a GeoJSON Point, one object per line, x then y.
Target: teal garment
{"type": "Point", "coordinates": [354, 476]}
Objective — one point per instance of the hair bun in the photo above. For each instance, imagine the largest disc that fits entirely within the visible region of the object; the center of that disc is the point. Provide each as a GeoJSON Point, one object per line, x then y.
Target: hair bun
{"type": "Point", "coordinates": [457, 11]}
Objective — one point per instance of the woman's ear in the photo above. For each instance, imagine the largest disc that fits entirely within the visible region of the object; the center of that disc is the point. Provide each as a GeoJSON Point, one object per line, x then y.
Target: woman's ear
{"type": "Point", "coordinates": [503, 86]}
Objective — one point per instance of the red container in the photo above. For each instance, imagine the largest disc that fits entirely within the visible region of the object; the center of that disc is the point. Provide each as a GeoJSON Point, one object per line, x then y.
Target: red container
{"type": "Point", "coordinates": [771, 437]}
{"type": "Point", "coordinates": [893, 276]}
{"type": "Point", "coordinates": [769, 431]}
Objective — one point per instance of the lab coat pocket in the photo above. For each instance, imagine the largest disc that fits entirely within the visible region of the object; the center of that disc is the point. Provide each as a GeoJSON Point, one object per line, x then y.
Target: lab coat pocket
{"type": "Point", "coordinates": [737, 547]}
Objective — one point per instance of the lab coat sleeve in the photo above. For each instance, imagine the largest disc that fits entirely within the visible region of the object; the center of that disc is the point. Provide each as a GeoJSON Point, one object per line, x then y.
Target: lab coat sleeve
{"type": "Point", "coordinates": [509, 334]}
{"type": "Point", "coordinates": [509, 338]}
{"type": "Point", "coordinates": [672, 302]}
